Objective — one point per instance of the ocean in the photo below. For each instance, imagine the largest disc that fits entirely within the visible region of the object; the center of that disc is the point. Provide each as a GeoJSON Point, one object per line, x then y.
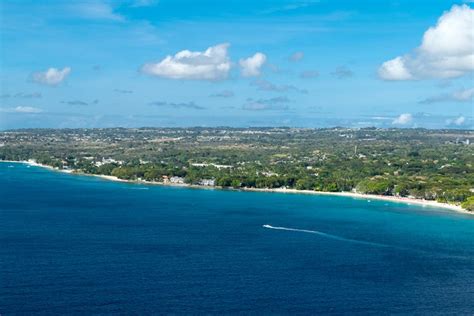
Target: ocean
{"type": "Point", "coordinates": [74, 244]}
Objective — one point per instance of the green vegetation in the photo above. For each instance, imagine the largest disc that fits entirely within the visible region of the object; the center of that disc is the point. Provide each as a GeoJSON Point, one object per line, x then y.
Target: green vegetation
{"type": "Point", "coordinates": [469, 204]}
{"type": "Point", "coordinates": [428, 164]}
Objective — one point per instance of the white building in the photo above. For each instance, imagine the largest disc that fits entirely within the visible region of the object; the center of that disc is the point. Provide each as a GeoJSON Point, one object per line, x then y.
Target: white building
{"type": "Point", "coordinates": [207, 182]}
{"type": "Point", "coordinates": [177, 180]}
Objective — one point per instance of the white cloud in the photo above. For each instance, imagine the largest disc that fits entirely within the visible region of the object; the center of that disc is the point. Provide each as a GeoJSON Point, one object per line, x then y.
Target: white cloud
{"type": "Point", "coordinates": [21, 109]}
{"type": "Point", "coordinates": [463, 95]}
{"type": "Point", "coordinates": [250, 67]}
{"type": "Point", "coordinates": [27, 109]}
{"type": "Point", "coordinates": [52, 76]}
{"type": "Point", "coordinates": [212, 64]}
{"type": "Point", "coordinates": [457, 121]}
{"type": "Point", "coordinates": [395, 69]}
{"type": "Point", "coordinates": [446, 51]}
{"type": "Point", "coordinates": [460, 120]}
{"type": "Point", "coordinates": [403, 119]}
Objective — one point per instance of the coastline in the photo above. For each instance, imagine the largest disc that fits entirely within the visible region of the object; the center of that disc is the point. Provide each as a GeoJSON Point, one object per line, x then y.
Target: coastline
{"type": "Point", "coordinates": [395, 199]}
{"type": "Point", "coordinates": [404, 200]}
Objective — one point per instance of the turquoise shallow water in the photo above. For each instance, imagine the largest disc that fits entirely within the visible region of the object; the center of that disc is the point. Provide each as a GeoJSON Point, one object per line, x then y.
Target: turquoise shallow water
{"type": "Point", "coordinates": [78, 244]}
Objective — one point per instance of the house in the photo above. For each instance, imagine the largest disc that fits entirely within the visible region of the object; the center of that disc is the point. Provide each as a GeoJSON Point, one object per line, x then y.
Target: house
{"type": "Point", "coordinates": [177, 180]}
{"type": "Point", "coordinates": [207, 182]}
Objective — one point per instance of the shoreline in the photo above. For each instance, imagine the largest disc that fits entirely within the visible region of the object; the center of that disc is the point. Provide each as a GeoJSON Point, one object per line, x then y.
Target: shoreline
{"type": "Point", "coordinates": [394, 199]}
{"type": "Point", "coordinates": [389, 198]}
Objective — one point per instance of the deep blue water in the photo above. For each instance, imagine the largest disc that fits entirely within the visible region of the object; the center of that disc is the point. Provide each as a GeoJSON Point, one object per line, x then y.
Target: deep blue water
{"type": "Point", "coordinates": [78, 244]}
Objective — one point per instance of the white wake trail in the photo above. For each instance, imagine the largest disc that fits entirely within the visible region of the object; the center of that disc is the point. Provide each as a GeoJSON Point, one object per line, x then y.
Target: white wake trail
{"type": "Point", "coordinates": [335, 237]}
{"type": "Point", "coordinates": [368, 243]}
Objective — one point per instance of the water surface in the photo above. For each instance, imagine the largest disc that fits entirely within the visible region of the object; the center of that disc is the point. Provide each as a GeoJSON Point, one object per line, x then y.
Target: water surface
{"type": "Point", "coordinates": [79, 244]}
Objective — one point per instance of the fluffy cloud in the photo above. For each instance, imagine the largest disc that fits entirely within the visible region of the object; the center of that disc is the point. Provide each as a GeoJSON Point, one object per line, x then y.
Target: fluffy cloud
{"type": "Point", "coordinates": [277, 103]}
{"type": "Point", "coordinates": [297, 56]}
{"type": "Point", "coordinates": [395, 69]}
{"type": "Point", "coordinates": [403, 119]}
{"type": "Point", "coordinates": [459, 121]}
{"type": "Point", "coordinates": [446, 51]}
{"type": "Point", "coordinates": [51, 77]}
{"type": "Point", "coordinates": [463, 95]}
{"type": "Point", "coordinates": [250, 67]}
{"type": "Point", "coordinates": [212, 64]}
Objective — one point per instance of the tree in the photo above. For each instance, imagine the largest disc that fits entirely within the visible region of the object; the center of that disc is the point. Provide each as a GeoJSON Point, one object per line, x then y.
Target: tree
{"type": "Point", "coordinates": [468, 204]}
{"type": "Point", "coordinates": [235, 183]}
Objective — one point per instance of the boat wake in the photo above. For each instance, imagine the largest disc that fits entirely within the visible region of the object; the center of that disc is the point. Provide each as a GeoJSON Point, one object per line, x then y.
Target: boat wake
{"type": "Point", "coordinates": [334, 237]}
{"type": "Point", "coordinates": [369, 243]}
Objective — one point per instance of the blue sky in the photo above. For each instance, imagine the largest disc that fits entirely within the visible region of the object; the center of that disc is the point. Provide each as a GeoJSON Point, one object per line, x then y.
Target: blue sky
{"type": "Point", "coordinates": [393, 63]}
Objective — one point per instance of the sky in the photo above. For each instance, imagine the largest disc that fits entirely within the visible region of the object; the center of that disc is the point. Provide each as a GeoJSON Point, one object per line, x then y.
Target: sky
{"type": "Point", "coordinates": [300, 63]}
